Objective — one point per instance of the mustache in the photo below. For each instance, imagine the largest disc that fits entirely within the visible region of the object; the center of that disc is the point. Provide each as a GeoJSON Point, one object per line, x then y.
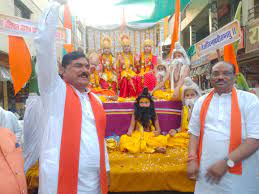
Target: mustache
{"type": "Point", "coordinates": [84, 74]}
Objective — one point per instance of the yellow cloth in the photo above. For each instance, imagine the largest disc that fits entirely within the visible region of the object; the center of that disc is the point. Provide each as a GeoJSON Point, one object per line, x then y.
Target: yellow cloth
{"type": "Point", "coordinates": [150, 172]}
{"type": "Point", "coordinates": [163, 95]}
{"type": "Point", "coordinates": [141, 172]}
{"type": "Point", "coordinates": [180, 139]}
{"type": "Point", "coordinates": [141, 141]}
{"type": "Point", "coordinates": [167, 95]}
{"type": "Point", "coordinates": [185, 122]}
{"type": "Point", "coordinates": [32, 177]}
{"type": "Point", "coordinates": [128, 73]}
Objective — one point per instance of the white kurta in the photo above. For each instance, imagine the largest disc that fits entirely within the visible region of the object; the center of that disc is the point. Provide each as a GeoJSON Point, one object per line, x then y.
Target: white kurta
{"type": "Point", "coordinates": [33, 130]}
{"type": "Point", "coordinates": [9, 120]}
{"type": "Point", "coordinates": [53, 94]}
{"type": "Point", "coordinates": [257, 170]}
{"type": "Point", "coordinates": [216, 142]}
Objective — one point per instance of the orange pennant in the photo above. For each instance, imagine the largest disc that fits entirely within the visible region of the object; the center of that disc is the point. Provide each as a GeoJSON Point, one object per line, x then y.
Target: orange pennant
{"type": "Point", "coordinates": [20, 62]}
{"type": "Point", "coordinates": [175, 34]}
{"type": "Point", "coordinates": [123, 23]}
{"type": "Point", "coordinates": [230, 56]}
{"type": "Point", "coordinates": [68, 48]}
{"type": "Point", "coordinates": [68, 25]}
{"type": "Point", "coordinates": [67, 18]}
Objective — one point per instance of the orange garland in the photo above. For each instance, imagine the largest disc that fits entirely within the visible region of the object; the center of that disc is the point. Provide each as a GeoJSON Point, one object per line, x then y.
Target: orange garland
{"type": "Point", "coordinates": [128, 60]}
{"type": "Point", "coordinates": [143, 57]}
{"type": "Point", "coordinates": [110, 58]}
{"type": "Point", "coordinates": [94, 79]}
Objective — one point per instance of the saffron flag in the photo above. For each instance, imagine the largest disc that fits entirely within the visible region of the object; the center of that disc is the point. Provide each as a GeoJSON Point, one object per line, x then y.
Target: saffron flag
{"type": "Point", "coordinates": [123, 22]}
{"type": "Point", "coordinates": [175, 35]}
{"type": "Point", "coordinates": [67, 24]}
{"type": "Point", "coordinates": [230, 56]}
{"type": "Point", "coordinates": [19, 61]}
{"type": "Point", "coordinates": [230, 50]}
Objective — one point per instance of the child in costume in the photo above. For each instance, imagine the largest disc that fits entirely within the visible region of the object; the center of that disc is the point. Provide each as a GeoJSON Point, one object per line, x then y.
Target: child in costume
{"type": "Point", "coordinates": [180, 136]}
{"type": "Point", "coordinates": [165, 91]}
{"type": "Point", "coordinates": [145, 68]}
{"type": "Point", "coordinates": [144, 131]}
{"type": "Point", "coordinates": [178, 70]}
{"type": "Point", "coordinates": [126, 69]}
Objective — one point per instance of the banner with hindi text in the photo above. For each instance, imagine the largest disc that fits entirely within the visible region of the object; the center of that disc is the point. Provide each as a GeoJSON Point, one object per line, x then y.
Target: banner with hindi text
{"type": "Point", "coordinates": [14, 26]}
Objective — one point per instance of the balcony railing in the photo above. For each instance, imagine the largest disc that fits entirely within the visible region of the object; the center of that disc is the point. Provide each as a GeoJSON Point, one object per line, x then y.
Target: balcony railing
{"type": "Point", "coordinates": [253, 13]}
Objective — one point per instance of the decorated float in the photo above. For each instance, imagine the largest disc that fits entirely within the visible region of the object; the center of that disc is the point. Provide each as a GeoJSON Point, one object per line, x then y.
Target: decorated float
{"type": "Point", "coordinates": [123, 63]}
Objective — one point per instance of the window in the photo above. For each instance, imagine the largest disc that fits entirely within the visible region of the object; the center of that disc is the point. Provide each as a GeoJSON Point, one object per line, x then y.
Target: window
{"type": "Point", "coordinates": [79, 36]}
{"type": "Point", "coordinates": [20, 10]}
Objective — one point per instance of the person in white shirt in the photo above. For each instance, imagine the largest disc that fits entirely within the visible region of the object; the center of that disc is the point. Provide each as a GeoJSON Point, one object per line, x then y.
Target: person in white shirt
{"type": "Point", "coordinates": [33, 130]}
{"type": "Point", "coordinates": [73, 156]}
{"type": "Point", "coordinates": [9, 120]}
{"type": "Point", "coordinates": [219, 120]}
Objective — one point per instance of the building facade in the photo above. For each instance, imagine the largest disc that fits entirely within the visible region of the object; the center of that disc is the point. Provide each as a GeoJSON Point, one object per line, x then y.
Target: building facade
{"type": "Point", "coordinates": [31, 11]}
{"type": "Point", "coordinates": [202, 18]}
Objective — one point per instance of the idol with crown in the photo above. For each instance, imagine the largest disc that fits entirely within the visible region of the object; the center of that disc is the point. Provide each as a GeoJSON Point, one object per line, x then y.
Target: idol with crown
{"type": "Point", "coordinates": [108, 76]}
{"type": "Point", "coordinates": [126, 65]}
{"type": "Point", "coordinates": [145, 68]}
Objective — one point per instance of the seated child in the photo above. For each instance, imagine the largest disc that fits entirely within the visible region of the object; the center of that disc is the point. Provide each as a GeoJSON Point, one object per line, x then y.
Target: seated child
{"type": "Point", "coordinates": [165, 91]}
{"type": "Point", "coordinates": [190, 94]}
{"type": "Point", "coordinates": [144, 131]}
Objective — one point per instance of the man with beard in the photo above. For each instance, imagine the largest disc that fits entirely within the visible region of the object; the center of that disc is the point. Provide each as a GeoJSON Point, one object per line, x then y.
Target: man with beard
{"type": "Point", "coordinates": [180, 137]}
{"type": "Point", "coordinates": [144, 131]}
{"type": "Point", "coordinates": [178, 70]}
{"type": "Point", "coordinates": [73, 156]}
{"type": "Point", "coordinates": [224, 137]}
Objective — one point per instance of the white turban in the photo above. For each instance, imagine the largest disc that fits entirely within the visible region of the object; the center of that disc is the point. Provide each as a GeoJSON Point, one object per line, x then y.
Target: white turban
{"type": "Point", "coordinates": [190, 85]}
{"type": "Point", "coordinates": [180, 49]}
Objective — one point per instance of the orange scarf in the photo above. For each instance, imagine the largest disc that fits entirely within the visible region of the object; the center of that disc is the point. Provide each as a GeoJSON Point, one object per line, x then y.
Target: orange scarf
{"type": "Point", "coordinates": [235, 127]}
{"type": "Point", "coordinates": [70, 142]}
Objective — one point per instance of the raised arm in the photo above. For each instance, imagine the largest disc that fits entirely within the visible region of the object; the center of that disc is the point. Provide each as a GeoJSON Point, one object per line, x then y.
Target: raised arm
{"type": "Point", "coordinates": [180, 83]}
{"type": "Point", "coordinates": [45, 42]}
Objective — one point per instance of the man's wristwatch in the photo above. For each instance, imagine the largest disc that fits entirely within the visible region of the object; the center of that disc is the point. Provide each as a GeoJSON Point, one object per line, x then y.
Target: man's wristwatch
{"type": "Point", "coordinates": [230, 163]}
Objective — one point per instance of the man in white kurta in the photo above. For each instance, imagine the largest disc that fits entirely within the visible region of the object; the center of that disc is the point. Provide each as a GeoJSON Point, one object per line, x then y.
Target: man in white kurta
{"type": "Point", "coordinates": [53, 94]}
{"type": "Point", "coordinates": [216, 141]}
{"type": "Point", "coordinates": [33, 130]}
{"type": "Point", "coordinates": [9, 120]}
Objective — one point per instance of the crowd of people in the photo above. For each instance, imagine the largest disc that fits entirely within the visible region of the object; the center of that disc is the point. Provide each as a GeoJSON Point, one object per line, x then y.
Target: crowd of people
{"type": "Point", "coordinates": [64, 126]}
